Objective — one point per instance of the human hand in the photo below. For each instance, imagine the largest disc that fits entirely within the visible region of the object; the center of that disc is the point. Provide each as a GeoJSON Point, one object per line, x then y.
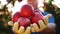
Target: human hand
{"type": "Point", "coordinates": [21, 30]}
{"type": "Point", "coordinates": [42, 24]}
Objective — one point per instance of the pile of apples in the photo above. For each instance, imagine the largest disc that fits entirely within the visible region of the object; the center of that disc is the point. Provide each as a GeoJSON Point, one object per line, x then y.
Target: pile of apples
{"type": "Point", "coordinates": [26, 16]}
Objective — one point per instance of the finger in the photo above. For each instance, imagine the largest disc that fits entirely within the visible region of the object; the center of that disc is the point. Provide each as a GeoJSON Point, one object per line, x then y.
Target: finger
{"type": "Point", "coordinates": [31, 25]}
{"type": "Point", "coordinates": [46, 20]}
{"type": "Point", "coordinates": [32, 29]}
{"type": "Point", "coordinates": [42, 25]}
{"type": "Point", "coordinates": [15, 27]}
{"type": "Point", "coordinates": [14, 31]}
{"type": "Point", "coordinates": [49, 15]}
{"type": "Point", "coordinates": [36, 28]}
{"type": "Point", "coordinates": [28, 30]}
{"type": "Point", "coordinates": [21, 30]}
{"type": "Point", "coordinates": [10, 23]}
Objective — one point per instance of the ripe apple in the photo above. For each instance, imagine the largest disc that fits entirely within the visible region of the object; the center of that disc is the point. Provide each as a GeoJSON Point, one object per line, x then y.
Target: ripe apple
{"type": "Point", "coordinates": [36, 17]}
{"type": "Point", "coordinates": [22, 21]}
{"type": "Point", "coordinates": [26, 11]}
{"type": "Point", "coordinates": [15, 17]}
{"type": "Point", "coordinates": [37, 11]}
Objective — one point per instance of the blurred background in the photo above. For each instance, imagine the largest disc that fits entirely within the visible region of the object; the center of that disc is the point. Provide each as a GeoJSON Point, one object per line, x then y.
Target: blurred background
{"type": "Point", "coordinates": [9, 7]}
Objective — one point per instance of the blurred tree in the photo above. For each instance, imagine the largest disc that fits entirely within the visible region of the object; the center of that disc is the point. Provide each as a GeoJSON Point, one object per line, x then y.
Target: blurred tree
{"type": "Point", "coordinates": [55, 11]}
{"type": "Point", "coordinates": [5, 16]}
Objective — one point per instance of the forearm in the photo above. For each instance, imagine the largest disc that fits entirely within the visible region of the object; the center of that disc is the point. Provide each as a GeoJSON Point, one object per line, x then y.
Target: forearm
{"type": "Point", "coordinates": [51, 25]}
{"type": "Point", "coordinates": [49, 29]}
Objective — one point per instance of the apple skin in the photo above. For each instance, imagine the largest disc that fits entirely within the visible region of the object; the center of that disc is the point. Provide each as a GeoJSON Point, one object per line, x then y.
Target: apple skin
{"type": "Point", "coordinates": [22, 21]}
{"type": "Point", "coordinates": [26, 11]}
{"type": "Point", "coordinates": [36, 16]}
{"type": "Point", "coordinates": [15, 17]}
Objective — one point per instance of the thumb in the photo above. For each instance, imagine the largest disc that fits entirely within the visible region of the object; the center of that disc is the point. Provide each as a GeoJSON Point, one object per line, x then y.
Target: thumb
{"type": "Point", "coordinates": [46, 20]}
{"type": "Point", "coordinates": [10, 23]}
{"type": "Point", "coordinates": [49, 15]}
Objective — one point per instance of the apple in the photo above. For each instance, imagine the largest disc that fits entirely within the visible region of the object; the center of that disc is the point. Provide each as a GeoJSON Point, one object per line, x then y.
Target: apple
{"type": "Point", "coordinates": [36, 17]}
{"type": "Point", "coordinates": [38, 11]}
{"type": "Point", "coordinates": [26, 11]}
{"type": "Point", "coordinates": [23, 21]}
{"type": "Point", "coordinates": [15, 17]}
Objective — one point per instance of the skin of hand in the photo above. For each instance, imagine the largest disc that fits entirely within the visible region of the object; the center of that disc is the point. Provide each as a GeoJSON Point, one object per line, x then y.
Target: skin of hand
{"type": "Point", "coordinates": [33, 28]}
{"type": "Point", "coordinates": [21, 30]}
{"type": "Point", "coordinates": [42, 25]}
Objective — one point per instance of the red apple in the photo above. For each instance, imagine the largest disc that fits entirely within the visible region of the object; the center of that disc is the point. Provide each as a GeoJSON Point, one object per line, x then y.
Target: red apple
{"type": "Point", "coordinates": [36, 17]}
{"type": "Point", "coordinates": [15, 17]}
{"type": "Point", "coordinates": [26, 11]}
{"type": "Point", "coordinates": [24, 22]}
{"type": "Point", "coordinates": [37, 11]}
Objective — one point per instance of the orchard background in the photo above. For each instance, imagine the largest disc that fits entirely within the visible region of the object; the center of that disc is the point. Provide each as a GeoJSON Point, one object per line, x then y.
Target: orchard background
{"type": "Point", "coordinates": [9, 7]}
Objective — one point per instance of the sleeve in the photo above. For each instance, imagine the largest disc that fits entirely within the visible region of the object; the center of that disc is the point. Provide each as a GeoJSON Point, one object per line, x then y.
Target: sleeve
{"type": "Point", "coordinates": [51, 20]}
{"type": "Point", "coordinates": [35, 33]}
